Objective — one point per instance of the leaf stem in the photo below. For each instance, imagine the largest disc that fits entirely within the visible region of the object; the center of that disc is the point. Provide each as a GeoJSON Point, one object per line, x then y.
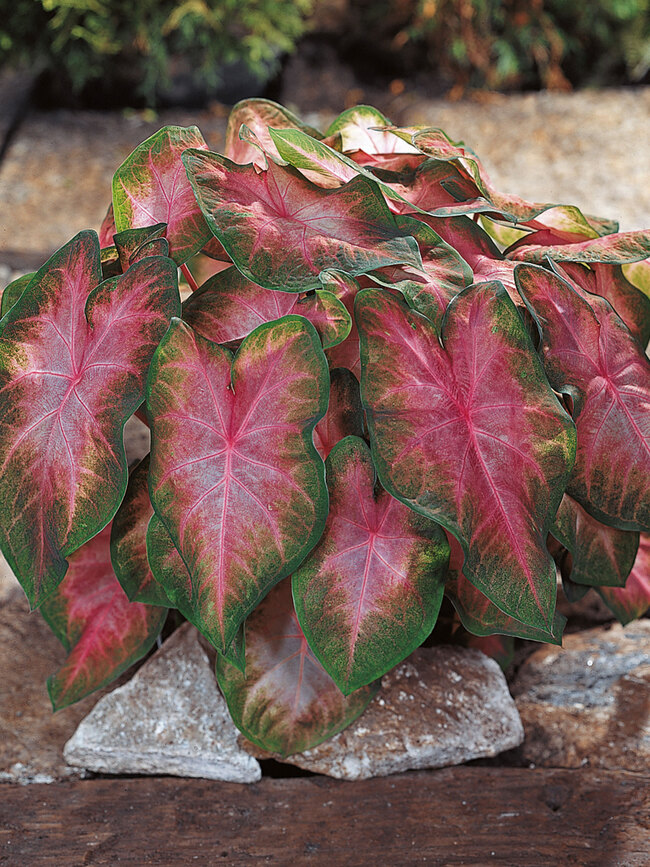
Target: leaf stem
{"type": "Point", "coordinates": [191, 282]}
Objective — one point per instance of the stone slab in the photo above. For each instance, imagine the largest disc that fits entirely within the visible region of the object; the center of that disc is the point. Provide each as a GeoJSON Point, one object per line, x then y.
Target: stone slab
{"type": "Point", "coordinates": [441, 706]}
{"type": "Point", "coordinates": [588, 702]}
{"type": "Point", "coordinates": [170, 718]}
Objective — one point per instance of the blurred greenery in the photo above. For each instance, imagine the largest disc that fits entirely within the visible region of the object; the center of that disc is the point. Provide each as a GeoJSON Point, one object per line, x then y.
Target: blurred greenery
{"type": "Point", "coordinates": [141, 45]}
{"type": "Point", "coordinates": [505, 44]}
{"type": "Point", "coordinates": [89, 40]}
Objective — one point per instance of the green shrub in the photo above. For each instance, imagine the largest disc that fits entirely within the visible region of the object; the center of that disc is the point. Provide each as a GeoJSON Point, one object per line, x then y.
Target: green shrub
{"type": "Point", "coordinates": [88, 41]}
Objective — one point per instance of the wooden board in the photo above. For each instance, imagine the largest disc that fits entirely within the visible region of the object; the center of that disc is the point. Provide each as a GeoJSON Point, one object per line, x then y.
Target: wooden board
{"type": "Point", "coordinates": [456, 816]}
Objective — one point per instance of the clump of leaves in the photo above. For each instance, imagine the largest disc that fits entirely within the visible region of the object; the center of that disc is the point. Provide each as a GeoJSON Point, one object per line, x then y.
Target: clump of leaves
{"type": "Point", "coordinates": [398, 384]}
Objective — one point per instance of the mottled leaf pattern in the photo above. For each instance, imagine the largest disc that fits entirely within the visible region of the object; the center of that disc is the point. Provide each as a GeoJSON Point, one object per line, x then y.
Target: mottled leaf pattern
{"type": "Point", "coordinates": [370, 591]}
{"type": "Point", "coordinates": [129, 541]}
{"type": "Point", "coordinates": [617, 249]}
{"type": "Point", "coordinates": [12, 292]}
{"type": "Point", "coordinates": [596, 361]}
{"type": "Point", "coordinates": [472, 422]}
{"type": "Point", "coordinates": [259, 115]}
{"type": "Point", "coordinates": [282, 231]}
{"type": "Point", "coordinates": [151, 187]}
{"type": "Point", "coordinates": [481, 617]}
{"type": "Point", "coordinates": [234, 473]}
{"type": "Point", "coordinates": [73, 362]}
{"type": "Point", "coordinates": [90, 597]}
{"type": "Point", "coordinates": [286, 702]}
{"type": "Point", "coordinates": [229, 306]}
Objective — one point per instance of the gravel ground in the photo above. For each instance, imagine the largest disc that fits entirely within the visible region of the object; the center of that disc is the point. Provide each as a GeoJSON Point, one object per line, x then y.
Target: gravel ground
{"type": "Point", "coordinates": [589, 148]}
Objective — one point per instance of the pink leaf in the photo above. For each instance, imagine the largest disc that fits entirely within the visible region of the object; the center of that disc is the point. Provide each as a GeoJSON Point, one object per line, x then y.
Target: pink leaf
{"type": "Point", "coordinates": [345, 354]}
{"type": "Point", "coordinates": [258, 115]}
{"type": "Point", "coordinates": [129, 541]}
{"type": "Point", "coordinates": [282, 231]}
{"type": "Point", "coordinates": [234, 473]}
{"type": "Point", "coordinates": [229, 306]}
{"type": "Point", "coordinates": [286, 702]}
{"type": "Point", "coordinates": [103, 631]}
{"type": "Point", "coordinates": [600, 555]}
{"type": "Point", "coordinates": [73, 362]}
{"type": "Point", "coordinates": [344, 416]}
{"type": "Point", "coordinates": [471, 422]}
{"type": "Point", "coordinates": [594, 359]}
{"type": "Point", "coordinates": [483, 618]}
{"type": "Point", "coordinates": [632, 601]}
{"type": "Point", "coordinates": [151, 187]}
{"type": "Point", "coordinates": [614, 249]}
{"type": "Point", "coordinates": [370, 591]}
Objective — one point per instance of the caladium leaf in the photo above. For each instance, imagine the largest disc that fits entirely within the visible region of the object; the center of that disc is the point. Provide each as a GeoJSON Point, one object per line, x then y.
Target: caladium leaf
{"type": "Point", "coordinates": [282, 231]}
{"type": "Point", "coordinates": [150, 187]}
{"type": "Point", "coordinates": [465, 236]}
{"type": "Point", "coordinates": [616, 249]}
{"type": "Point", "coordinates": [442, 276]}
{"type": "Point", "coordinates": [600, 555]}
{"type": "Point", "coordinates": [426, 188]}
{"type": "Point", "coordinates": [632, 601]}
{"type": "Point", "coordinates": [89, 595]}
{"type": "Point", "coordinates": [258, 115]}
{"type": "Point", "coordinates": [471, 420]}
{"type": "Point", "coordinates": [344, 416]}
{"type": "Point", "coordinates": [481, 617]}
{"type": "Point", "coordinates": [172, 573]}
{"type": "Point", "coordinates": [234, 473]}
{"type": "Point", "coordinates": [135, 244]}
{"type": "Point", "coordinates": [129, 541]}
{"type": "Point", "coordinates": [370, 591]}
{"type": "Point", "coordinates": [364, 128]}
{"type": "Point", "coordinates": [107, 228]}
{"type": "Point", "coordinates": [73, 363]}
{"type": "Point", "coordinates": [609, 281]}
{"type": "Point", "coordinates": [229, 306]}
{"type": "Point", "coordinates": [12, 292]}
{"type": "Point", "coordinates": [596, 361]}
{"type": "Point", "coordinates": [286, 702]}
{"type": "Point", "coordinates": [346, 353]}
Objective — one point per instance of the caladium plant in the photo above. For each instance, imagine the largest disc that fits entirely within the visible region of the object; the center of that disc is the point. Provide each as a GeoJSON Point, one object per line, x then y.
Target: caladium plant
{"type": "Point", "coordinates": [395, 384]}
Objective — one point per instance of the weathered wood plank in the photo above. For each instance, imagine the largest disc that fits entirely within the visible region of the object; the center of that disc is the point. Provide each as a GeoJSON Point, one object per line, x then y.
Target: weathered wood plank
{"type": "Point", "coordinates": [455, 816]}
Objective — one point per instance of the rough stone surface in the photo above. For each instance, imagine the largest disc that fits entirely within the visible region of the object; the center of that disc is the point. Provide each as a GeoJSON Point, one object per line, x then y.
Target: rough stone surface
{"type": "Point", "coordinates": [441, 706]}
{"type": "Point", "coordinates": [588, 702]}
{"type": "Point", "coordinates": [31, 736]}
{"type": "Point", "coordinates": [168, 719]}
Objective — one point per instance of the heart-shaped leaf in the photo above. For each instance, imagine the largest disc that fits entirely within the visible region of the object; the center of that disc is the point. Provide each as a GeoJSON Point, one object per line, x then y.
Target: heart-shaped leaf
{"type": "Point", "coordinates": [344, 416]}
{"type": "Point", "coordinates": [234, 473]}
{"type": "Point", "coordinates": [370, 591]}
{"type": "Point", "coordinates": [600, 555]}
{"type": "Point", "coordinates": [616, 249]}
{"type": "Point", "coordinates": [229, 306]}
{"type": "Point", "coordinates": [151, 187]}
{"type": "Point", "coordinates": [258, 115]}
{"type": "Point", "coordinates": [90, 595]}
{"type": "Point", "coordinates": [346, 353]}
{"type": "Point", "coordinates": [286, 702]}
{"type": "Point", "coordinates": [609, 281]}
{"type": "Point", "coordinates": [443, 274]}
{"type": "Point", "coordinates": [481, 617]}
{"type": "Point", "coordinates": [632, 601]}
{"type": "Point", "coordinates": [364, 128]}
{"type": "Point", "coordinates": [471, 421]}
{"type": "Point", "coordinates": [594, 359]}
{"type": "Point", "coordinates": [282, 231]}
{"type": "Point", "coordinates": [129, 541]}
{"type": "Point", "coordinates": [12, 292]}
{"type": "Point", "coordinates": [73, 362]}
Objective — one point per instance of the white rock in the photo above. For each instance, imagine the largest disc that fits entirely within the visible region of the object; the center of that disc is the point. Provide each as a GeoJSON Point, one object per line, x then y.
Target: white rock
{"type": "Point", "coordinates": [170, 718]}
{"type": "Point", "coordinates": [441, 706]}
